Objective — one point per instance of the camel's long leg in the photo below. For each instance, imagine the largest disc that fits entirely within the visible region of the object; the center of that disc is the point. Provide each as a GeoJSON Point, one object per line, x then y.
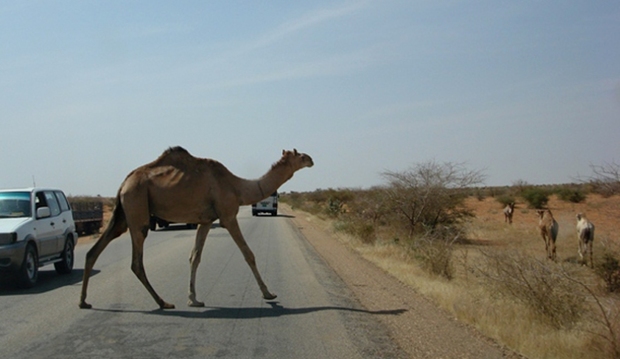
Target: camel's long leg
{"type": "Point", "coordinates": [194, 260]}
{"type": "Point", "coordinates": [137, 264]}
{"type": "Point", "coordinates": [234, 230]}
{"type": "Point", "coordinates": [583, 251]}
{"type": "Point", "coordinates": [546, 240]}
{"type": "Point", "coordinates": [590, 245]}
{"type": "Point", "coordinates": [116, 228]}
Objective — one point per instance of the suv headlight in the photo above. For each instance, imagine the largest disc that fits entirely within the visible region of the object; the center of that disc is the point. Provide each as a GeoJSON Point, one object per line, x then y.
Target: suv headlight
{"type": "Point", "coordinates": [8, 238]}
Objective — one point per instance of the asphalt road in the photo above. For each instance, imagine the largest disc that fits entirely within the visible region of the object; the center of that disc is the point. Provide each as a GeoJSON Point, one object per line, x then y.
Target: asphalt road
{"type": "Point", "coordinates": [314, 316]}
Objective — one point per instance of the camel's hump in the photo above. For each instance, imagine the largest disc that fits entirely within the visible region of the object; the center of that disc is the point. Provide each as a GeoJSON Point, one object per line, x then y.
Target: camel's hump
{"type": "Point", "coordinates": [179, 157]}
{"type": "Point", "coordinates": [174, 156]}
{"type": "Point", "coordinates": [175, 149]}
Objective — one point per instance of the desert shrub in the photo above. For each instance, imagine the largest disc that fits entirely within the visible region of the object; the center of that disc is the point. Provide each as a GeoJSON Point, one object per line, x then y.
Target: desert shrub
{"type": "Point", "coordinates": [609, 270]}
{"type": "Point", "coordinates": [543, 286]}
{"type": "Point", "coordinates": [573, 195]}
{"type": "Point", "coordinates": [497, 191]}
{"type": "Point", "coordinates": [371, 206]}
{"type": "Point", "coordinates": [329, 201]}
{"type": "Point", "coordinates": [605, 179]}
{"type": "Point", "coordinates": [536, 197]}
{"type": "Point", "coordinates": [293, 199]}
{"type": "Point", "coordinates": [427, 203]}
{"type": "Point", "coordinates": [334, 207]}
{"type": "Point", "coordinates": [364, 213]}
{"type": "Point", "coordinates": [520, 185]}
{"type": "Point", "coordinates": [362, 230]}
{"type": "Point", "coordinates": [434, 253]}
{"type": "Point", "coordinates": [505, 200]}
{"type": "Point", "coordinates": [480, 193]}
{"type": "Point", "coordinates": [429, 196]}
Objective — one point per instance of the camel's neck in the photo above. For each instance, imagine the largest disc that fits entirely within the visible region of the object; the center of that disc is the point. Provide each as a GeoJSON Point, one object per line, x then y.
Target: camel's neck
{"type": "Point", "coordinates": [256, 190]}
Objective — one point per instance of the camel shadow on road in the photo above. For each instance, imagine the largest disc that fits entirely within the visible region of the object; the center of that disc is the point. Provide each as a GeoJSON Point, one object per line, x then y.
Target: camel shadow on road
{"type": "Point", "coordinates": [48, 281]}
{"type": "Point", "coordinates": [276, 310]}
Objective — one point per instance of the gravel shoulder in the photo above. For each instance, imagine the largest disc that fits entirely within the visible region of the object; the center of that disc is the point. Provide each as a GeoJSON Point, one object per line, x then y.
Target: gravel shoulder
{"type": "Point", "coordinates": [422, 330]}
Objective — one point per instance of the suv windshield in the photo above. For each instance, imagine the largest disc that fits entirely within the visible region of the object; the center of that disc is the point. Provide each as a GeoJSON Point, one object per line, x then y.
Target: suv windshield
{"type": "Point", "coordinates": [14, 204]}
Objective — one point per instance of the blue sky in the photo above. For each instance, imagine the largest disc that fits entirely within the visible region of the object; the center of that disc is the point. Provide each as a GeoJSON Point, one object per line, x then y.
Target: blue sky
{"type": "Point", "coordinates": [523, 90]}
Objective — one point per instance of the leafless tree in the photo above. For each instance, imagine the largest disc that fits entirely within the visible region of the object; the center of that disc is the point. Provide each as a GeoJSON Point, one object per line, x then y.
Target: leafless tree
{"type": "Point", "coordinates": [429, 196]}
{"type": "Point", "coordinates": [606, 178]}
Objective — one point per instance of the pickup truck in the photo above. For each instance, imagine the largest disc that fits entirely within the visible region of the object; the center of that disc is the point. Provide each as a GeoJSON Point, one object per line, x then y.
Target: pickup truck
{"type": "Point", "coordinates": [87, 214]}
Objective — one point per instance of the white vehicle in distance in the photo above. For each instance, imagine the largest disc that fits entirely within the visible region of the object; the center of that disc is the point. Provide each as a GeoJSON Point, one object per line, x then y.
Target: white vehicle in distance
{"type": "Point", "coordinates": [268, 205]}
{"type": "Point", "coordinates": [36, 228]}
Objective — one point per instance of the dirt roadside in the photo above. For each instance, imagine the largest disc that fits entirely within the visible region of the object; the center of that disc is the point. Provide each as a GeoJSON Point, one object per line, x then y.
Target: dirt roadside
{"type": "Point", "coordinates": [422, 330]}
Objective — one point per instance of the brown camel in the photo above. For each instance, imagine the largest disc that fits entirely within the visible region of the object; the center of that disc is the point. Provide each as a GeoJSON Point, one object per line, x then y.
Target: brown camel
{"type": "Point", "coordinates": [179, 187]}
{"type": "Point", "coordinates": [548, 230]}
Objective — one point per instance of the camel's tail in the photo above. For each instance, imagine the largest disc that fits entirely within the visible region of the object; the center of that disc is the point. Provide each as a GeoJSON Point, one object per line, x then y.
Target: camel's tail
{"type": "Point", "coordinates": [118, 221]}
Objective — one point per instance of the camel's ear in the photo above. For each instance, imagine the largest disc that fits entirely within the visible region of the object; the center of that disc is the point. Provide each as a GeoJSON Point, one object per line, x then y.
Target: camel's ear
{"type": "Point", "coordinates": [283, 152]}
{"type": "Point", "coordinates": [295, 151]}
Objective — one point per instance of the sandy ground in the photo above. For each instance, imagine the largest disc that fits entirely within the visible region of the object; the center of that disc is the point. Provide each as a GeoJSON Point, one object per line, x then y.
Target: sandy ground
{"type": "Point", "coordinates": [603, 212]}
{"type": "Point", "coordinates": [488, 226]}
{"type": "Point", "coordinates": [423, 330]}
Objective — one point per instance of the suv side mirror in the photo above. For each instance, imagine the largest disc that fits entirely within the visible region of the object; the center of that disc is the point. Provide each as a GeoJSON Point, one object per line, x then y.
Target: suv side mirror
{"type": "Point", "coordinates": [43, 212]}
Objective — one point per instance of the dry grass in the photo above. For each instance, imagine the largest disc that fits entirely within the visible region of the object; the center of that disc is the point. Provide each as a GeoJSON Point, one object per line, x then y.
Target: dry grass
{"type": "Point", "coordinates": [586, 324]}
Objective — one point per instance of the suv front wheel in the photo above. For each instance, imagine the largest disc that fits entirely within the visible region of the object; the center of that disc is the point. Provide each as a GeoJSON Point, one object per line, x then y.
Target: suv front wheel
{"type": "Point", "coordinates": [29, 271]}
{"type": "Point", "coordinates": [65, 266]}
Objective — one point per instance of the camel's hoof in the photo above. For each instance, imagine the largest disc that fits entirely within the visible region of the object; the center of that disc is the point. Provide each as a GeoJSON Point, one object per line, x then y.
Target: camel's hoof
{"type": "Point", "coordinates": [195, 303]}
{"type": "Point", "coordinates": [166, 306]}
{"type": "Point", "coordinates": [270, 296]}
{"type": "Point", "coordinates": [85, 305]}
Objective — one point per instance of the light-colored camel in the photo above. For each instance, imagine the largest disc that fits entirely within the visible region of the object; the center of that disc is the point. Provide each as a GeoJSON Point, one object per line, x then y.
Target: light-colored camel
{"type": "Point", "coordinates": [509, 210]}
{"type": "Point", "coordinates": [585, 233]}
{"type": "Point", "coordinates": [548, 230]}
{"type": "Point", "coordinates": [179, 187]}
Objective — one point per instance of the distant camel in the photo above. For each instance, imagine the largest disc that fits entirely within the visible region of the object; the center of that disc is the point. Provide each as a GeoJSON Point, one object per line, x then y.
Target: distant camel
{"type": "Point", "coordinates": [508, 212]}
{"type": "Point", "coordinates": [585, 233]}
{"type": "Point", "coordinates": [548, 230]}
{"type": "Point", "coordinates": [179, 187]}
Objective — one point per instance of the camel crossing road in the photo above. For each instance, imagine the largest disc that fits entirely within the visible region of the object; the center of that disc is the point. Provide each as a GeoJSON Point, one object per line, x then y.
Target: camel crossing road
{"type": "Point", "coordinates": [179, 187]}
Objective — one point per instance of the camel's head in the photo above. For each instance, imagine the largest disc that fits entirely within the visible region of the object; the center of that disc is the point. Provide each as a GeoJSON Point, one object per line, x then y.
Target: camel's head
{"type": "Point", "coordinates": [544, 213]}
{"type": "Point", "coordinates": [296, 159]}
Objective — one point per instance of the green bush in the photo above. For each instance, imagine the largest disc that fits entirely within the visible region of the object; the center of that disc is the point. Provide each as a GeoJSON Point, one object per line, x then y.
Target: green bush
{"type": "Point", "coordinates": [505, 200]}
{"type": "Point", "coordinates": [536, 197]}
{"type": "Point", "coordinates": [571, 195]}
{"type": "Point", "coordinates": [334, 207]}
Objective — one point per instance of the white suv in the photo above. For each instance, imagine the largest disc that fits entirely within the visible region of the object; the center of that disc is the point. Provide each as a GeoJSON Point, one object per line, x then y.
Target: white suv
{"type": "Point", "coordinates": [36, 228]}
